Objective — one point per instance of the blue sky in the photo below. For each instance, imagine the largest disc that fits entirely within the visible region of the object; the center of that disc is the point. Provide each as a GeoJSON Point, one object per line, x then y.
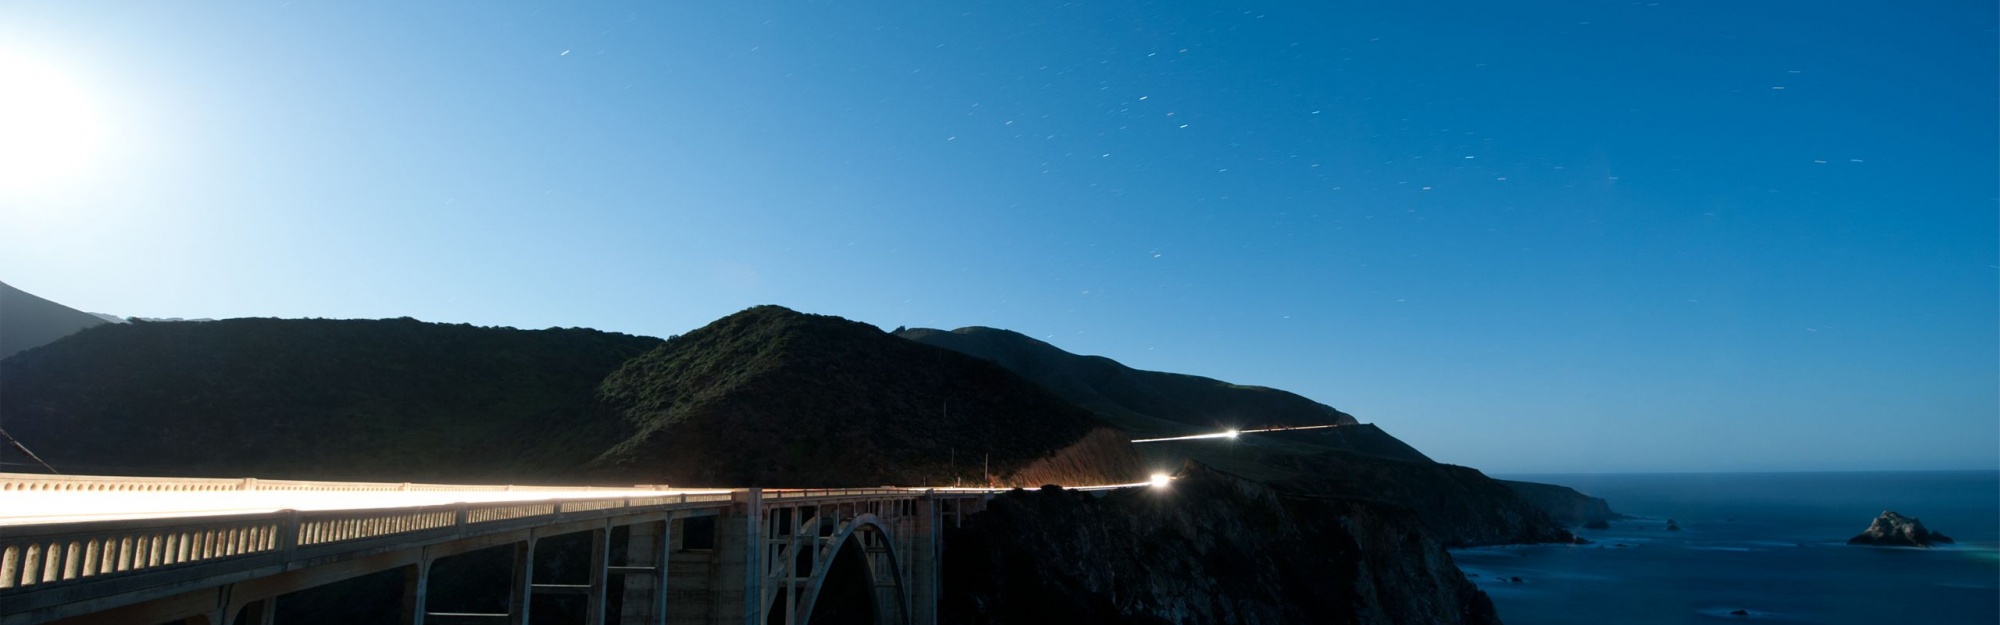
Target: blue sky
{"type": "Point", "coordinates": [1547, 236]}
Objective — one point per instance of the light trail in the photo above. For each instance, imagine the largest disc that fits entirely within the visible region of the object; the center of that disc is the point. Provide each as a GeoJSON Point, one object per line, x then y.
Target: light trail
{"type": "Point", "coordinates": [39, 507]}
{"type": "Point", "coordinates": [1231, 433]}
{"type": "Point", "coordinates": [1156, 480]}
{"type": "Point", "coordinates": [1290, 428]}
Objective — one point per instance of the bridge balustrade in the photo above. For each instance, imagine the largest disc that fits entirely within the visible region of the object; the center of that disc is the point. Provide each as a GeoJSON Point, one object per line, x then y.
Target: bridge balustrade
{"type": "Point", "coordinates": [781, 544]}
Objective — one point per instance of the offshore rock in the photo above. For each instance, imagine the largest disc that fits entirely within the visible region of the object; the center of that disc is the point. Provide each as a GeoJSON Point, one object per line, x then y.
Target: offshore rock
{"type": "Point", "coordinates": [1895, 530]}
{"type": "Point", "coordinates": [1208, 548]}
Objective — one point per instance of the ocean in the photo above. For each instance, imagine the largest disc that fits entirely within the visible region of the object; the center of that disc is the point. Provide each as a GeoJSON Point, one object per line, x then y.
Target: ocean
{"type": "Point", "coordinates": [1770, 544]}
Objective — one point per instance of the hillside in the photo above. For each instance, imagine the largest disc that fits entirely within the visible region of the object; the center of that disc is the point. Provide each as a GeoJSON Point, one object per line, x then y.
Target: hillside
{"type": "Point", "coordinates": [1352, 461]}
{"type": "Point", "coordinates": [27, 321]}
{"type": "Point", "coordinates": [394, 399]}
{"type": "Point", "coordinates": [1145, 402]}
{"type": "Point", "coordinates": [773, 396]}
{"type": "Point", "coordinates": [1212, 548]}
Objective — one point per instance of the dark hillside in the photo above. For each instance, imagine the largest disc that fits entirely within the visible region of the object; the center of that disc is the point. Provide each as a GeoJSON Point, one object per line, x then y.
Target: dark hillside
{"type": "Point", "coordinates": [27, 321]}
{"type": "Point", "coordinates": [1353, 461]}
{"type": "Point", "coordinates": [1565, 504]}
{"type": "Point", "coordinates": [1462, 506]}
{"type": "Point", "coordinates": [394, 399]}
{"type": "Point", "coordinates": [1147, 402]}
{"type": "Point", "coordinates": [772, 396]}
{"type": "Point", "coordinates": [1209, 548]}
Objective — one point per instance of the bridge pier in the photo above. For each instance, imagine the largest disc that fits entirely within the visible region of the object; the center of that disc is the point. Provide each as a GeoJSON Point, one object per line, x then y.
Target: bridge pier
{"type": "Point", "coordinates": [521, 593]}
{"type": "Point", "coordinates": [416, 591]}
{"type": "Point", "coordinates": [925, 541]}
{"type": "Point", "coordinates": [739, 538]}
{"type": "Point", "coordinates": [648, 550]}
{"type": "Point", "coordinates": [600, 562]}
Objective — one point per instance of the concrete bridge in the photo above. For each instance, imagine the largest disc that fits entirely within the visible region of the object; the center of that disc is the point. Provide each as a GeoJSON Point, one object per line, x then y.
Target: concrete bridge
{"type": "Point", "coordinates": [89, 549]}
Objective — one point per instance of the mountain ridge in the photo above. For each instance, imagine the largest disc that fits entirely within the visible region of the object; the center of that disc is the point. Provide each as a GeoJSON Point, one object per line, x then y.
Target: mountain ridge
{"type": "Point", "coordinates": [28, 321]}
{"type": "Point", "coordinates": [1145, 402]}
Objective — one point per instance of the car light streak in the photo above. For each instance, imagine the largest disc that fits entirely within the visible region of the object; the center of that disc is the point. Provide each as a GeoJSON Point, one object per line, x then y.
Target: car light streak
{"type": "Point", "coordinates": [1232, 433]}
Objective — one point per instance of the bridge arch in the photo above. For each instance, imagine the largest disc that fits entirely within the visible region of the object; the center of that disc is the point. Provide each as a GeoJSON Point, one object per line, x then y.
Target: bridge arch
{"type": "Point", "coordinates": [869, 537]}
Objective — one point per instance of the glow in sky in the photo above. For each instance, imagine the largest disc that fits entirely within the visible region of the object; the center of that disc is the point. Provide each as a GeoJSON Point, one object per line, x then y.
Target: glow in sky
{"type": "Point", "coordinates": [1525, 236]}
{"type": "Point", "coordinates": [48, 126]}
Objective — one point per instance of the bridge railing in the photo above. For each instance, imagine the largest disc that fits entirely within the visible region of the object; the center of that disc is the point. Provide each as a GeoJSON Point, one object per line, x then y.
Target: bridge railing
{"type": "Point", "coordinates": [39, 555]}
{"type": "Point", "coordinates": [98, 483]}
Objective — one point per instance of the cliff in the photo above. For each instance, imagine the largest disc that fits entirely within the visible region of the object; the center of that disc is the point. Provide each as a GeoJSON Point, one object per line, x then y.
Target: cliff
{"type": "Point", "coordinates": [1209, 548]}
{"type": "Point", "coordinates": [1461, 506]}
{"type": "Point", "coordinates": [1564, 504]}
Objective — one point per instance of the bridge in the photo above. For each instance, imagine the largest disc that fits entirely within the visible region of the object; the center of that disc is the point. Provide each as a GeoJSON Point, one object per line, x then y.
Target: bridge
{"type": "Point", "coordinates": [79, 550]}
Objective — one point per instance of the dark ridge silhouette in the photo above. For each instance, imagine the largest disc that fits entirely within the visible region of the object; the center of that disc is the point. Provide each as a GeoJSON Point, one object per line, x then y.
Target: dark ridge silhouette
{"type": "Point", "coordinates": [766, 397]}
{"type": "Point", "coordinates": [395, 399]}
{"type": "Point", "coordinates": [1145, 402]}
{"type": "Point", "coordinates": [773, 396]}
{"type": "Point", "coordinates": [27, 321]}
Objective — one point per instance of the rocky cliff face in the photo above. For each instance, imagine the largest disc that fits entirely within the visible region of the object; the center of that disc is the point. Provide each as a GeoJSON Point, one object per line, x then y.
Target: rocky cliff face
{"type": "Point", "coordinates": [1461, 506]}
{"type": "Point", "coordinates": [1563, 504]}
{"type": "Point", "coordinates": [1210, 548]}
{"type": "Point", "coordinates": [1895, 530]}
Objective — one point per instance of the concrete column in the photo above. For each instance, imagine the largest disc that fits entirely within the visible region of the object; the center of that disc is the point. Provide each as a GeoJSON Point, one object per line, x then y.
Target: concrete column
{"type": "Point", "coordinates": [416, 588]}
{"type": "Point", "coordinates": [697, 577]}
{"type": "Point", "coordinates": [600, 560]}
{"type": "Point", "coordinates": [925, 548]}
{"type": "Point", "coordinates": [740, 551]}
{"type": "Point", "coordinates": [645, 594]}
{"type": "Point", "coordinates": [523, 588]}
{"type": "Point", "coordinates": [262, 612]}
{"type": "Point", "coordinates": [755, 553]}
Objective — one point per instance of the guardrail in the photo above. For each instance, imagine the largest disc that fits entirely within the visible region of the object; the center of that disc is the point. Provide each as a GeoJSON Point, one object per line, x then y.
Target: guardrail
{"type": "Point", "coordinates": [37, 555]}
{"type": "Point", "coordinates": [101, 483]}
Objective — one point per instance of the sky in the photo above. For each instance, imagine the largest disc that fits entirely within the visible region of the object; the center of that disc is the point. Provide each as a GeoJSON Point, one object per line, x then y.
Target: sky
{"type": "Point", "coordinates": [1535, 236]}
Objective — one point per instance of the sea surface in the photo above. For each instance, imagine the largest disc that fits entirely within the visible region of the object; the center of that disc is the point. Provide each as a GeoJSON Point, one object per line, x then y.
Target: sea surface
{"type": "Point", "coordinates": [1771, 544]}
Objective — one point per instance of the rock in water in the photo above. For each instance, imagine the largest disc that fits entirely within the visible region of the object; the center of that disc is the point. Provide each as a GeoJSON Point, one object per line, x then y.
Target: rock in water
{"type": "Point", "coordinates": [1895, 530]}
